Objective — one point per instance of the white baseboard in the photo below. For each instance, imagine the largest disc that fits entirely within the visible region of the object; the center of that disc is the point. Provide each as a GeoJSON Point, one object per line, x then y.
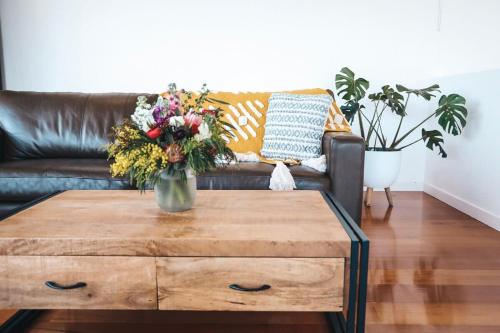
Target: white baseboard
{"type": "Point", "coordinates": [462, 205]}
{"type": "Point", "coordinates": [407, 186]}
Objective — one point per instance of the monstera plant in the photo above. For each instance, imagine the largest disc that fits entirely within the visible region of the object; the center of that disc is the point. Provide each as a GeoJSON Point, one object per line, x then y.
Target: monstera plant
{"type": "Point", "coordinates": [450, 112]}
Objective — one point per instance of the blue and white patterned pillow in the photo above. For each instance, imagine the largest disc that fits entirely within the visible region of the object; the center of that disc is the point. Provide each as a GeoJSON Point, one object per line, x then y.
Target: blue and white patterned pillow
{"type": "Point", "coordinates": [294, 126]}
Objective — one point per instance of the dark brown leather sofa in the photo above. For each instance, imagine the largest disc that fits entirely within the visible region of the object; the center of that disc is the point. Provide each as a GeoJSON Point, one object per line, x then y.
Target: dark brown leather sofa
{"type": "Point", "coordinates": [56, 141]}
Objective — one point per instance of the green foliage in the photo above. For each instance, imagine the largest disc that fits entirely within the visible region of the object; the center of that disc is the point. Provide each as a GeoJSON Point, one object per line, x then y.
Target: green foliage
{"type": "Point", "coordinates": [349, 110]}
{"type": "Point", "coordinates": [433, 139]}
{"type": "Point", "coordinates": [391, 98]}
{"type": "Point", "coordinates": [350, 88]}
{"type": "Point", "coordinates": [451, 112]}
{"type": "Point", "coordinates": [426, 93]}
{"type": "Point", "coordinates": [218, 101]}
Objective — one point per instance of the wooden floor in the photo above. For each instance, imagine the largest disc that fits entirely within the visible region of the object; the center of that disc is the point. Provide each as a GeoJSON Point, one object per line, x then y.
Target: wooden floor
{"type": "Point", "coordinates": [432, 269]}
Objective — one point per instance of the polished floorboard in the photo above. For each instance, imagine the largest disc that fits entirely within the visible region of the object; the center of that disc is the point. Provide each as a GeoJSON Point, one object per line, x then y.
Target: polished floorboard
{"type": "Point", "coordinates": [432, 269]}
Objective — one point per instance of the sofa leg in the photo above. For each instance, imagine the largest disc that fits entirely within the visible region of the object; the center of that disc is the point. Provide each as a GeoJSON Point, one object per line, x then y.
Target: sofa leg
{"type": "Point", "coordinates": [368, 196]}
{"type": "Point", "coordinates": [388, 194]}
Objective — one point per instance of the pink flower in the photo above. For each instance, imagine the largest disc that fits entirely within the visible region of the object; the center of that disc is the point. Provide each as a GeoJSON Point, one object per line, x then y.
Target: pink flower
{"type": "Point", "coordinates": [193, 121]}
{"type": "Point", "coordinates": [174, 103]}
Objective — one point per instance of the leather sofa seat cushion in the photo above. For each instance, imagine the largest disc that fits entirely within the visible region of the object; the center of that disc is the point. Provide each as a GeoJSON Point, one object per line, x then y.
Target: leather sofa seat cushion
{"type": "Point", "coordinates": [25, 180]}
{"type": "Point", "coordinates": [256, 176]}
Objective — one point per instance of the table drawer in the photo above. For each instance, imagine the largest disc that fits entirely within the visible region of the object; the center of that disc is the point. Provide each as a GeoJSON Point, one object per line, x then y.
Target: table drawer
{"type": "Point", "coordinates": [280, 284]}
{"type": "Point", "coordinates": [111, 282]}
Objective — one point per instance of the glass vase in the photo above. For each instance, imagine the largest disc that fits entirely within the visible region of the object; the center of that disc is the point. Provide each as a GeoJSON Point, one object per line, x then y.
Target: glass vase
{"type": "Point", "coordinates": [175, 194]}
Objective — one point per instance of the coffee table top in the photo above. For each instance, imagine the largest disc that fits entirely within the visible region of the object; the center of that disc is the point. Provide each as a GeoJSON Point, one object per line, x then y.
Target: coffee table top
{"type": "Point", "coordinates": [222, 223]}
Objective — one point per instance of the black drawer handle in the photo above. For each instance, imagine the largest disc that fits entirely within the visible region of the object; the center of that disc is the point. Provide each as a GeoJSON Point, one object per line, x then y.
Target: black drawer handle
{"type": "Point", "coordinates": [240, 288]}
{"type": "Point", "coordinates": [57, 286]}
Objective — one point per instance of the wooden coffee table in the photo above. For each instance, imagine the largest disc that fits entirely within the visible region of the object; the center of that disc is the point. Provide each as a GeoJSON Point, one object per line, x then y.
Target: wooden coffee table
{"type": "Point", "coordinates": [234, 251]}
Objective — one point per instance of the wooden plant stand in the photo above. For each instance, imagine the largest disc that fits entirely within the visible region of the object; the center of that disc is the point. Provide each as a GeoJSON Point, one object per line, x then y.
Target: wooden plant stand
{"type": "Point", "coordinates": [369, 193]}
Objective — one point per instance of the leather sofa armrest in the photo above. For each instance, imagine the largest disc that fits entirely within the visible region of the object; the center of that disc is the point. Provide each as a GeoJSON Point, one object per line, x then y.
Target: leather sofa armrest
{"type": "Point", "coordinates": [345, 154]}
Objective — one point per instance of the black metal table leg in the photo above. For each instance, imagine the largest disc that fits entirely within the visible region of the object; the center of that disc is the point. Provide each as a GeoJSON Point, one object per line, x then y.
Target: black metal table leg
{"type": "Point", "coordinates": [28, 205]}
{"type": "Point", "coordinates": [336, 322]}
{"type": "Point", "coordinates": [358, 275]}
{"type": "Point", "coordinates": [19, 321]}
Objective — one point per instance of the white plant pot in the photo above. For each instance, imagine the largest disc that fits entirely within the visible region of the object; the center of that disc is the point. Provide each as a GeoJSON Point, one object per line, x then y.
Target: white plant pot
{"type": "Point", "coordinates": [381, 168]}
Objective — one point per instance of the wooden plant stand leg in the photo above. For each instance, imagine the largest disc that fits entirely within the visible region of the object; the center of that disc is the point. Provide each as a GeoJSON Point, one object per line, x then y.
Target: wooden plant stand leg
{"type": "Point", "coordinates": [388, 194]}
{"type": "Point", "coordinates": [368, 196]}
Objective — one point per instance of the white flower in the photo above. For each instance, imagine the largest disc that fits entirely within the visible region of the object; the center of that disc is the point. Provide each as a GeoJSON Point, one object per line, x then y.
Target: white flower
{"type": "Point", "coordinates": [203, 132]}
{"type": "Point", "coordinates": [161, 102]}
{"type": "Point", "coordinates": [142, 102]}
{"type": "Point", "coordinates": [143, 118]}
{"type": "Point", "coordinates": [176, 121]}
{"type": "Point", "coordinates": [143, 115]}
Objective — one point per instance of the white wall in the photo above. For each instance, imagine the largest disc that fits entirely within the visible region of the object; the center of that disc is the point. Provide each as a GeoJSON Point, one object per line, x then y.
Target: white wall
{"type": "Point", "coordinates": [469, 38]}
{"type": "Point", "coordinates": [469, 64]}
{"type": "Point", "coordinates": [469, 179]}
{"type": "Point", "coordinates": [132, 45]}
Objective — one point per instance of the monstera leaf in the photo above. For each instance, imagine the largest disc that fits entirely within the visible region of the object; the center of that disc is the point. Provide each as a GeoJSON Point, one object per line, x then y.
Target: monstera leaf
{"type": "Point", "coordinates": [349, 110]}
{"type": "Point", "coordinates": [426, 93]}
{"type": "Point", "coordinates": [452, 113]}
{"type": "Point", "coordinates": [433, 139]}
{"type": "Point", "coordinates": [349, 88]}
{"type": "Point", "coordinates": [391, 98]}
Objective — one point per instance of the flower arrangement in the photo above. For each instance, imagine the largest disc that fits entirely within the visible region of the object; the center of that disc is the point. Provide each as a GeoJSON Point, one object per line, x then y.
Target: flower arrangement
{"type": "Point", "coordinates": [174, 135]}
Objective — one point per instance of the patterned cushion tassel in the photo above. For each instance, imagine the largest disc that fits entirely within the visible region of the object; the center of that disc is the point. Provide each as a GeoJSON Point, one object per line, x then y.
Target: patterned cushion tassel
{"type": "Point", "coordinates": [318, 164]}
{"type": "Point", "coordinates": [281, 178]}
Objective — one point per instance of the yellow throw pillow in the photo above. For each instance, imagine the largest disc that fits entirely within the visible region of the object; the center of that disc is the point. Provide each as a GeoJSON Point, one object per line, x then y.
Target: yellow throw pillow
{"type": "Point", "coordinates": [246, 112]}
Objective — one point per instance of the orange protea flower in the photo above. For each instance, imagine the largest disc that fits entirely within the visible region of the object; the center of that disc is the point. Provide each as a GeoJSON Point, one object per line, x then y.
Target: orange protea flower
{"type": "Point", "coordinates": [174, 153]}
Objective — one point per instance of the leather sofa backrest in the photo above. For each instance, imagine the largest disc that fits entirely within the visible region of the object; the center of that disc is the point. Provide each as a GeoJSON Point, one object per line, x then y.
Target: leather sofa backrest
{"type": "Point", "coordinates": [56, 125]}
